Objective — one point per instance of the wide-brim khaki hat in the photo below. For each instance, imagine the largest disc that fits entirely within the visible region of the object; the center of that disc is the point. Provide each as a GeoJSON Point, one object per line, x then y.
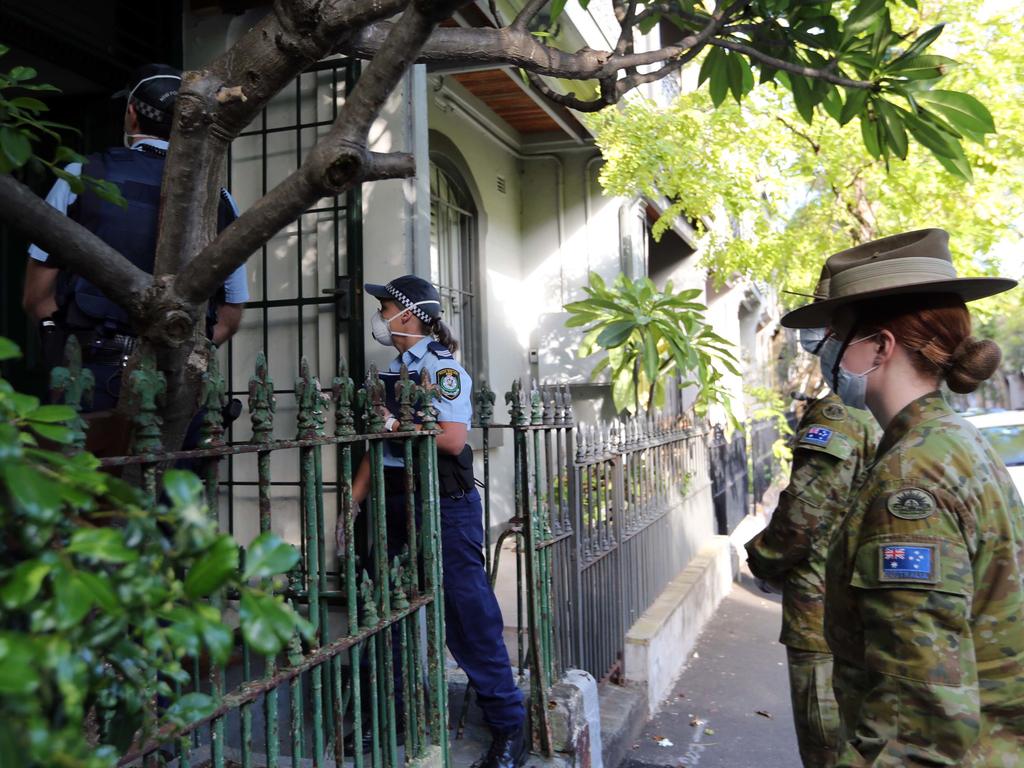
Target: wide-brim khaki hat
{"type": "Point", "coordinates": [912, 262]}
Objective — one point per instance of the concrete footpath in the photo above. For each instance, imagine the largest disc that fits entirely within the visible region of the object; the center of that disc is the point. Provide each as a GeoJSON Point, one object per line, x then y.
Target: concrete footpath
{"type": "Point", "coordinates": [730, 707]}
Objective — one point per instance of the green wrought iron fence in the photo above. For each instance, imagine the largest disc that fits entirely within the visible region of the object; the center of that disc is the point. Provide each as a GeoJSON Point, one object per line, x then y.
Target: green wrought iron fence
{"type": "Point", "coordinates": [297, 708]}
{"type": "Point", "coordinates": [730, 477]}
{"type": "Point", "coordinates": [604, 517]}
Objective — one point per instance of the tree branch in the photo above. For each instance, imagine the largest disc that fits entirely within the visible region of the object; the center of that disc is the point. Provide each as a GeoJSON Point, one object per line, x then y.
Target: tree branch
{"type": "Point", "coordinates": [263, 61]}
{"type": "Point", "coordinates": [527, 14]}
{"type": "Point", "coordinates": [73, 246]}
{"type": "Point", "coordinates": [788, 66]}
{"type": "Point", "coordinates": [338, 162]}
{"type": "Point", "coordinates": [797, 132]}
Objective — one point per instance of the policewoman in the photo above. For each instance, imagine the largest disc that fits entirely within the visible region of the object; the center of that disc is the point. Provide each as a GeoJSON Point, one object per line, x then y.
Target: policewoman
{"type": "Point", "coordinates": [924, 606]}
{"type": "Point", "coordinates": [409, 319]}
{"type": "Point", "coordinates": [832, 446]}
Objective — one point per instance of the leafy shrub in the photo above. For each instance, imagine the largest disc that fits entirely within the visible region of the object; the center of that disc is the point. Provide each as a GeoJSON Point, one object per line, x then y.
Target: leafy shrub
{"type": "Point", "coordinates": [103, 599]}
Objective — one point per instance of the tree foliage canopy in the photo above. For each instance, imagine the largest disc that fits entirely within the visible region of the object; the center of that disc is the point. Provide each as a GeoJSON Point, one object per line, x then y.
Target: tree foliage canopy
{"type": "Point", "coordinates": [783, 188]}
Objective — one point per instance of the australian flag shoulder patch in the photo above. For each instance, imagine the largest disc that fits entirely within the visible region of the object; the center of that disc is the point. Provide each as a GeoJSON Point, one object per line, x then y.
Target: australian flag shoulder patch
{"type": "Point", "coordinates": [907, 562]}
{"type": "Point", "coordinates": [817, 435]}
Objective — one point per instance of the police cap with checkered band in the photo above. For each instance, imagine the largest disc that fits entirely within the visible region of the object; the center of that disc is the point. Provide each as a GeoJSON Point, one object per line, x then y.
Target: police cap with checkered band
{"type": "Point", "coordinates": [152, 90]}
{"type": "Point", "coordinates": [413, 293]}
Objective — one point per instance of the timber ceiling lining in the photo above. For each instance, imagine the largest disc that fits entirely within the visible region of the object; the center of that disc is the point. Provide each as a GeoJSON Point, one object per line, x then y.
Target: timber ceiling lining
{"type": "Point", "coordinates": [496, 89]}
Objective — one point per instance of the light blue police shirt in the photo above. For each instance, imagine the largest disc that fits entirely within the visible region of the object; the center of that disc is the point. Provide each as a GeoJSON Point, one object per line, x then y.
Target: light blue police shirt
{"type": "Point", "coordinates": [454, 386]}
{"type": "Point", "coordinates": [236, 287]}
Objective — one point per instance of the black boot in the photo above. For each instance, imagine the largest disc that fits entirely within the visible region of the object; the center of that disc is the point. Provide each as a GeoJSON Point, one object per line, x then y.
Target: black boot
{"type": "Point", "coordinates": [507, 751]}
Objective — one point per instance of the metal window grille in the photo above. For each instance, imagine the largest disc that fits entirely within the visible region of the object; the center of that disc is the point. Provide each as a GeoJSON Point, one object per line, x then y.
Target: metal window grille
{"type": "Point", "coordinates": [301, 284]}
{"type": "Point", "coordinates": [452, 262]}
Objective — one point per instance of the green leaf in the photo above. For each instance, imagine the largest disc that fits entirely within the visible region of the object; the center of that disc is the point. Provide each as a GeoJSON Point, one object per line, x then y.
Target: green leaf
{"type": "Point", "coordinates": [22, 73]}
{"type": "Point", "coordinates": [615, 334]}
{"type": "Point", "coordinates": [213, 569]}
{"type": "Point", "coordinates": [38, 497]}
{"type": "Point", "coordinates": [946, 149]}
{"type": "Point", "coordinates": [219, 639]}
{"type": "Point", "coordinates": [921, 43]}
{"type": "Point", "coordinates": [18, 673]}
{"type": "Point", "coordinates": [894, 130]}
{"type": "Point", "coordinates": [182, 488]}
{"type": "Point", "coordinates": [28, 104]}
{"type": "Point", "coordinates": [8, 349]}
{"type": "Point", "coordinates": [740, 78]}
{"type": "Point", "coordinates": [652, 360]}
{"type": "Point", "coordinates": [267, 623]}
{"type": "Point", "coordinates": [924, 67]}
{"type": "Point", "coordinates": [623, 391]}
{"type": "Point", "coordinates": [711, 60]}
{"type": "Point", "coordinates": [52, 413]}
{"type": "Point", "coordinates": [72, 597]}
{"type": "Point", "coordinates": [267, 556]}
{"type": "Point", "coordinates": [649, 23]}
{"type": "Point", "coordinates": [802, 97]}
{"type": "Point", "coordinates": [55, 432]}
{"type": "Point", "coordinates": [98, 586]}
{"type": "Point", "coordinates": [862, 17]}
{"type": "Point", "coordinates": [23, 583]}
{"type": "Point", "coordinates": [101, 544]}
{"type": "Point", "coordinates": [190, 708]}
{"type": "Point", "coordinates": [16, 146]}
{"type": "Point", "coordinates": [869, 133]}
{"type": "Point", "coordinates": [961, 110]}
{"type": "Point", "coordinates": [856, 98]}
{"type": "Point", "coordinates": [557, 6]}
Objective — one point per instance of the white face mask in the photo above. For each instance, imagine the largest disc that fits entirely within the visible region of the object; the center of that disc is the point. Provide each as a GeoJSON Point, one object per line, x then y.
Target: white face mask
{"type": "Point", "coordinates": [381, 327]}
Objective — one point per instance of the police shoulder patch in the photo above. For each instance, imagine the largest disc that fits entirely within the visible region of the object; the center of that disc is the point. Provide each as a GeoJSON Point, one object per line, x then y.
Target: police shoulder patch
{"type": "Point", "coordinates": [834, 411]}
{"type": "Point", "coordinates": [911, 504]}
{"type": "Point", "coordinates": [816, 434]}
{"type": "Point", "coordinates": [449, 382]}
{"type": "Point", "coordinates": [913, 561]}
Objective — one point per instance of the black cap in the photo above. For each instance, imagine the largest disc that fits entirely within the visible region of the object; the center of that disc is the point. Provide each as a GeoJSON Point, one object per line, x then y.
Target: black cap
{"type": "Point", "coordinates": [413, 293]}
{"type": "Point", "coordinates": [152, 90]}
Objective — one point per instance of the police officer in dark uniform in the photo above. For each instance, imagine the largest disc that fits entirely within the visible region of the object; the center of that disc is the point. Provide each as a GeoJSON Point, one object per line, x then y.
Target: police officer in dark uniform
{"type": "Point", "coordinates": [65, 303]}
{"type": "Point", "coordinates": [410, 320]}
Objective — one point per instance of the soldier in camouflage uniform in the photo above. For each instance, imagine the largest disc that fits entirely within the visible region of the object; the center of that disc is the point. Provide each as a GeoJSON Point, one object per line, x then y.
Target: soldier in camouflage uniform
{"type": "Point", "coordinates": [924, 607]}
{"type": "Point", "coordinates": [831, 447]}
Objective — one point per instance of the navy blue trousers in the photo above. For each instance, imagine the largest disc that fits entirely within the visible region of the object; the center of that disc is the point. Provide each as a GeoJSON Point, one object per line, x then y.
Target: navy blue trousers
{"type": "Point", "coordinates": [473, 623]}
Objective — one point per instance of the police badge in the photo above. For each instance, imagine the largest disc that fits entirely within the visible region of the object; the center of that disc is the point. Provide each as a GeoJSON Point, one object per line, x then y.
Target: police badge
{"type": "Point", "coordinates": [449, 383]}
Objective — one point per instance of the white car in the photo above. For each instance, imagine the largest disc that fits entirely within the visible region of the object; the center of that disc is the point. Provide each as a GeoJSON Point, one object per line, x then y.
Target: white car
{"type": "Point", "coordinates": [1005, 430]}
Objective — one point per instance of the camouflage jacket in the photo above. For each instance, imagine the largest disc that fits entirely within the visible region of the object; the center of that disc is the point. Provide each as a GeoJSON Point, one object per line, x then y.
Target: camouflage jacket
{"type": "Point", "coordinates": [924, 601]}
{"type": "Point", "coordinates": [832, 446]}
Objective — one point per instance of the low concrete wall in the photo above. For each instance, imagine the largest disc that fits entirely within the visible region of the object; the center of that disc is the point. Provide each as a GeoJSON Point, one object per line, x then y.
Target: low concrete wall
{"type": "Point", "coordinates": [659, 643]}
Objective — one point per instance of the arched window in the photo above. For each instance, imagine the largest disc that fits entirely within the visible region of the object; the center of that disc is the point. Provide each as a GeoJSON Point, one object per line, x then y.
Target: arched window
{"type": "Point", "coordinates": [453, 233]}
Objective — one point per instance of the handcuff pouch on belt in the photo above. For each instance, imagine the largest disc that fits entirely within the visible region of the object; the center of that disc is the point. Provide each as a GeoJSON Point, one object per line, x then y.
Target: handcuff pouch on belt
{"type": "Point", "coordinates": [455, 473]}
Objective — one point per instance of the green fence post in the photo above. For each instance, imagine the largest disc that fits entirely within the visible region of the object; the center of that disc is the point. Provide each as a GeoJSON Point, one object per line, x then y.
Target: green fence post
{"type": "Point", "coordinates": [344, 427]}
{"type": "Point", "coordinates": [310, 426]}
{"type": "Point", "coordinates": [74, 385]}
{"type": "Point", "coordinates": [433, 586]}
{"type": "Point", "coordinates": [146, 385]}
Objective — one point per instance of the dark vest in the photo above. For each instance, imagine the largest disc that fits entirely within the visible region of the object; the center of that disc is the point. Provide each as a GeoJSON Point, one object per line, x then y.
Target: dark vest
{"type": "Point", "coordinates": [132, 231]}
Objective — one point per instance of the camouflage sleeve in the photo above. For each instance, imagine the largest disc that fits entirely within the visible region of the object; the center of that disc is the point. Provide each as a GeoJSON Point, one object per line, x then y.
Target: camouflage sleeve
{"type": "Point", "coordinates": [912, 586]}
{"type": "Point", "coordinates": [802, 514]}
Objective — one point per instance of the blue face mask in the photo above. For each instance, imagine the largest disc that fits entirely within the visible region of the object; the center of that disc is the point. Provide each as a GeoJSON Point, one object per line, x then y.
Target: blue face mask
{"type": "Point", "coordinates": [850, 387]}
